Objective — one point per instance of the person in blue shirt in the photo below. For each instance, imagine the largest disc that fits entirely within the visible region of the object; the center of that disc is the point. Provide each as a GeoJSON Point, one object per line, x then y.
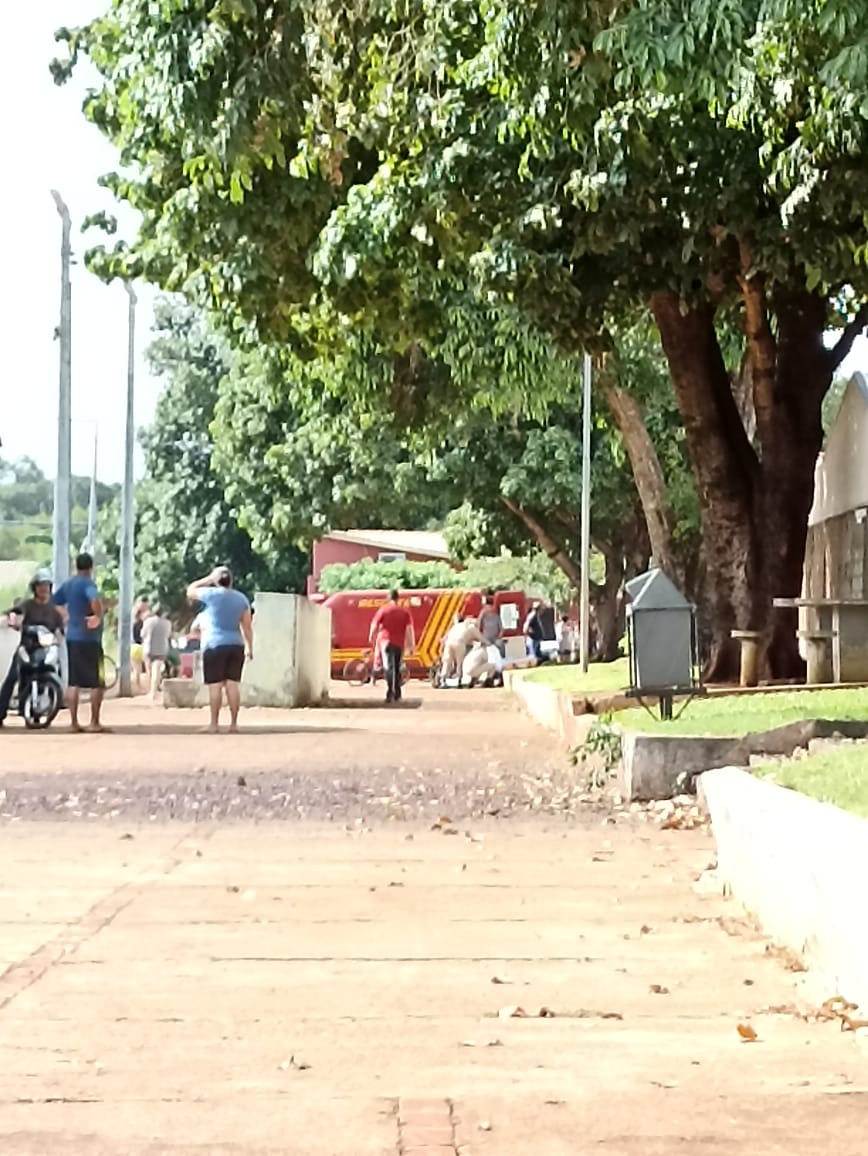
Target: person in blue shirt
{"type": "Point", "coordinates": [227, 638]}
{"type": "Point", "coordinates": [81, 599]}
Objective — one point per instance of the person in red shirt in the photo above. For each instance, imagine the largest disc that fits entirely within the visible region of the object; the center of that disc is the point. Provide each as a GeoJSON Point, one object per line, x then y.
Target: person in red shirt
{"type": "Point", "coordinates": [395, 626]}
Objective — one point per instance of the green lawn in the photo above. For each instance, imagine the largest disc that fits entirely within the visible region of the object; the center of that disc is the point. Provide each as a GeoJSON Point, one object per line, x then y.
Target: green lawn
{"type": "Point", "coordinates": [744, 714]}
{"type": "Point", "coordinates": [832, 776]}
{"type": "Point", "coordinates": [601, 676]}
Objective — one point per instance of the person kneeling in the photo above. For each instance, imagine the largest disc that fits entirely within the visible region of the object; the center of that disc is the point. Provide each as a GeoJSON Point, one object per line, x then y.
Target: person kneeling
{"type": "Point", "coordinates": [477, 667]}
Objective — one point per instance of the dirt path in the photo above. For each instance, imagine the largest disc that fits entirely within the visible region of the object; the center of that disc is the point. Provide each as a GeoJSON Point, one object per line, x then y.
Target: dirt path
{"type": "Point", "coordinates": [470, 753]}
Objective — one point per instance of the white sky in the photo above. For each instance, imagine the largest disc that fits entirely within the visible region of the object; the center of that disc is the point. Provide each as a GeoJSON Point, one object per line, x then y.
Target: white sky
{"type": "Point", "coordinates": [48, 144]}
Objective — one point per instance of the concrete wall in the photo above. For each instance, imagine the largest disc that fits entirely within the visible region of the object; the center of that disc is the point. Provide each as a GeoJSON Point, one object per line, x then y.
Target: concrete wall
{"type": "Point", "coordinates": [841, 479]}
{"type": "Point", "coordinates": [292, 652]}
{"type": "Point", "coordinates": [800, 866]}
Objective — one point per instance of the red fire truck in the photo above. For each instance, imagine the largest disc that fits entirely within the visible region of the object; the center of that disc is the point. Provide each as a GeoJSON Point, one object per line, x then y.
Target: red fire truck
{"type": "Point", "coordinates": [433, 613]}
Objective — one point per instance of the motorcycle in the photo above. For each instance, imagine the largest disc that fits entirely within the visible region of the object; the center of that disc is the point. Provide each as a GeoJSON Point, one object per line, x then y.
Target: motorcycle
{"type": "Point", "coordinates": [40, 691]}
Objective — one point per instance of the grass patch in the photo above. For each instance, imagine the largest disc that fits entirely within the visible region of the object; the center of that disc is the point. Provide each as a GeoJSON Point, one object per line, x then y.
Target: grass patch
{"type": "Point", "coordinates": [742, 714]}
{"type": "Point", "coordinates": [601, 676]}
{"type": "Point", "coordinates": [831, 776]}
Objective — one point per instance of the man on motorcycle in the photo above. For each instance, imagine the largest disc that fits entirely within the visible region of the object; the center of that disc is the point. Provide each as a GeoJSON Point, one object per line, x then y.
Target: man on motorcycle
{"type": "Point", "coordinates": [38, 610]}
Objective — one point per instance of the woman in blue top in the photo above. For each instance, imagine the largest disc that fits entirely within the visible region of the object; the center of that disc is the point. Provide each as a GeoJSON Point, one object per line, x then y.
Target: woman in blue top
{"type": "Point", "coordinates": [227, 637]}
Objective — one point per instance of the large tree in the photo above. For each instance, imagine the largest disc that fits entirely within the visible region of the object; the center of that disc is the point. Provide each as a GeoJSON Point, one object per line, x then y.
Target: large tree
{"type": "Point", "coordinates": [585, 159]}
{"type": "Point", "coordinates": [184, 523]}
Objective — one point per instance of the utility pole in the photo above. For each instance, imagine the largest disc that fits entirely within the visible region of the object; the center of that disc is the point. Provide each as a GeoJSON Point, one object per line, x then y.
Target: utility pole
{"type": "Point", "coordinates": [62, 482]}
{"type": "Point", "coordinates": [585, 592]}
{"type": "Point", "coordinates": [91, 505]}
{"type": "Point", "coordinates": [125, 609]}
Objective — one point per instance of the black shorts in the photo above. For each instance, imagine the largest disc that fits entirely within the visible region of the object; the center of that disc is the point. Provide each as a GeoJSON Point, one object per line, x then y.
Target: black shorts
{"type": "Point", "coordinates": [85, 665]}
{"type": "Point", "coordinates": [222, 664]}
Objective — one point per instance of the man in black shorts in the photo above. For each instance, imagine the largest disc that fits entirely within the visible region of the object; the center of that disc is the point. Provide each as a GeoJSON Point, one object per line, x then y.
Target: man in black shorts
{"type": "Point", "coordinates": [81, 598]}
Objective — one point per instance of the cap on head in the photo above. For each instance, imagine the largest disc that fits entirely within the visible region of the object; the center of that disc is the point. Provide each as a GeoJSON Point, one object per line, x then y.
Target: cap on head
{"type": "Point", "coordinates": [84, 563]}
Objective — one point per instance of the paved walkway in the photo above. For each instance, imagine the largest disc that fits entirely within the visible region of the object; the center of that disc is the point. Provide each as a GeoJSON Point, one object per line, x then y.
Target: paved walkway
{"type": "Point", "coordinates": [316, 988]}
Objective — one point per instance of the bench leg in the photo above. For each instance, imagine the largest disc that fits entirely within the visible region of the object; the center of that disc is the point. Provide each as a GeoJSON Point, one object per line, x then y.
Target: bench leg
{"type": "Point", "coordinates": [748, 667]}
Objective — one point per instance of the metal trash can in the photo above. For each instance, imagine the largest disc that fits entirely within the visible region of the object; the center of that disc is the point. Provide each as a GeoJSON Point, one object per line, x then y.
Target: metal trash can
{"type": "Point", "coordinates": [662, 641]}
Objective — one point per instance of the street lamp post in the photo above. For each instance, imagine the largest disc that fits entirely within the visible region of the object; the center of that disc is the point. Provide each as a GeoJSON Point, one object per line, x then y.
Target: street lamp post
{"type": "Point", "coordinates": [125, 609]}
{"type": "Point", "coordinates": [585, 546]}
{"type": "Point", "coordinates": [62, 480]}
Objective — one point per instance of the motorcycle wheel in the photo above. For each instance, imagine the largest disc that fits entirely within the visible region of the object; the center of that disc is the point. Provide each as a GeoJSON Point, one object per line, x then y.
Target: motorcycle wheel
{"type": "Point", "coordinates": [50, 698]}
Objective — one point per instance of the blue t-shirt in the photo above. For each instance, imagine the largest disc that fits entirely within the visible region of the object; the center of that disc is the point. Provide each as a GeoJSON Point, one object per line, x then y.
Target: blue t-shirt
{"type": "Point", "coordinates": [77, 594]}
{"type": "Point", "coordinates": [221, 618]}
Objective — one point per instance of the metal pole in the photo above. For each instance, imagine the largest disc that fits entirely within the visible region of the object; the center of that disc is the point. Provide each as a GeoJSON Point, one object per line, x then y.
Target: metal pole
{"type": "Point", "coordinates": [125, 608]}
{"type": "Point", "coordinates": [91, 505]}
{"type": "Point", "coordinates": [62, 483]}
{"type": "Point", "coordinates": [585, 592]}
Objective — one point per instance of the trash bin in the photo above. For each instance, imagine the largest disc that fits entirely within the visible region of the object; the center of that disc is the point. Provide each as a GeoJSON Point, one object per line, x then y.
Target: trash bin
{"type": "Point", "coordinates": [661, 637]}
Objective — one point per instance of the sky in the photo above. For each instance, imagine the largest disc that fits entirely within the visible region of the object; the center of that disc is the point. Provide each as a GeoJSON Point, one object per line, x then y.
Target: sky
{"type": "Point", "coordinates": [48, 144]}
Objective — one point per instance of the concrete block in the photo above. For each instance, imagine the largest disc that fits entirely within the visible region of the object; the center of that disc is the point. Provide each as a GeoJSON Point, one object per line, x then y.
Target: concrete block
{"type": "Point", "coordinates": [655, 766]}
{"type": "Point", "coordinates": [800, 867]}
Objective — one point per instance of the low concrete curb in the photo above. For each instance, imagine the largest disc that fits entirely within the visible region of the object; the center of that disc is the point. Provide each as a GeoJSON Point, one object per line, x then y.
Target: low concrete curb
{"type": "Point", "coordinates": [800, 866]}
{"type": "Point", "coordinates": [656, 766]}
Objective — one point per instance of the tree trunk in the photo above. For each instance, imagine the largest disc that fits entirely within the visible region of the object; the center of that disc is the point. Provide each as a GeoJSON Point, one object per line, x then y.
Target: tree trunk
{"type": "Point", "coordinates": [546, 542]}
{"type": "Point", "coordinates": [726, 471]}
{"type": "Point", "coordinates": [608, 609]}
{"type": "Point", "coordinates": [754, 503]}
{"type": "Point", "coordinates": [648, 476]}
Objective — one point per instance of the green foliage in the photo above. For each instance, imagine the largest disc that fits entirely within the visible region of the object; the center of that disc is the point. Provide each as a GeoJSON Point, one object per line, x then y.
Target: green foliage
{"type": "Point", "coordinates": [184, 524]}
{"type": "Point", "coordinates": [534, 574]}
{"type": "Point", "coordinates": [26, 506]}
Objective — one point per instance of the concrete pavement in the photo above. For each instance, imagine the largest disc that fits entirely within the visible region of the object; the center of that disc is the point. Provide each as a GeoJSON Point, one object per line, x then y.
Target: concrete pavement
{"type": "Point", "coordinates": [303, 989]}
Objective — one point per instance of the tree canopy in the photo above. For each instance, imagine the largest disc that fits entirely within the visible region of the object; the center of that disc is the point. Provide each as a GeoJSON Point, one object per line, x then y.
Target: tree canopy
{"type": "Point", "coordinates": [318, 171]}
{"type": "Point", "coordinates": [184, 524]}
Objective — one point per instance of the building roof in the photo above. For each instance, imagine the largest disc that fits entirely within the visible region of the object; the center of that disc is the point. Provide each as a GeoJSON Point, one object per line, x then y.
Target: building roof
{"type": "Point", "coordinates": [400, 541]}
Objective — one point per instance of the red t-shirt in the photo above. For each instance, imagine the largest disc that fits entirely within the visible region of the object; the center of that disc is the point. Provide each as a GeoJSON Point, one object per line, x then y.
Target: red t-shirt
{"type": "Point", "coordinates": [393, 621]}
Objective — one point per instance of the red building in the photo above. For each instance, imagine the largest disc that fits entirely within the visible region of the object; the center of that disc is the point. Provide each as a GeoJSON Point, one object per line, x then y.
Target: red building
{"type": "Point", "coordinates": [348, 546]}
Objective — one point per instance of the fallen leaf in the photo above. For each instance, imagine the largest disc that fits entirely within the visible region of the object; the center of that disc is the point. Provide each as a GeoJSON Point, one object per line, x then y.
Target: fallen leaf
{"type": "Point", "coordinates": [644, 929]}
{"type": "Point", "coordinates": [292, 1062]}
{"type": "Point", "coordinates": [747, 1033]}
{"type": "Point", "coordinates": [128, 836]}
{"type": "Point", "coordinates": [234, 889]}
{"type": "Point", "coordinates": [396, 884]}
{"type": "Point", "coordinates": [849, 1024]}
{"type": "Point", "coordinates": [242, 782]}
{"type": "Point", "coordinates": [661, 1084]}
{"type": "Point", "coordinates": [487, 1044]}
{"type": "Point", "coordinates": [658, 989]}
{"type": "Point", "coordinates": [497, 979]}
{"type": "Point", "coordinates": [511, 1012]}
{"type": "Point", "coordinates": [484, 1126]}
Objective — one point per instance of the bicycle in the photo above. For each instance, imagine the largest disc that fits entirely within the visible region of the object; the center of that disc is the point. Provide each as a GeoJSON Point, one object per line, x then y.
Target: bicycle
{"type": "Point", "coordinates": [361, 671]}
{"type": "Point", "coordinates": [109, 672]}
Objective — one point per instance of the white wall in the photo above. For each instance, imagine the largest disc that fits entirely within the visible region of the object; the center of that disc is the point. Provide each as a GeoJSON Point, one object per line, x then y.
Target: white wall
{"type": "Point", "coordinates": [292, 652]}
{"type": "Point", "coordinates": [841, 478]}
{"type": "Point", "coordinates": [800, 866]}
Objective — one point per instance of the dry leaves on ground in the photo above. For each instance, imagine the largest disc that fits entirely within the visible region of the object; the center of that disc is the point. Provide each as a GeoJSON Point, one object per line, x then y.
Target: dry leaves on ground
{"type": "Point", "coordinates": [513, 1012]}
{"type": "Point", "coordinates": [747, 1033]}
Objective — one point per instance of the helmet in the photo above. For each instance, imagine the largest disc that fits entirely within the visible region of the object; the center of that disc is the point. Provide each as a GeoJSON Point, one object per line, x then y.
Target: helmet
{"type": "Point", "coordinates": [40, 578]}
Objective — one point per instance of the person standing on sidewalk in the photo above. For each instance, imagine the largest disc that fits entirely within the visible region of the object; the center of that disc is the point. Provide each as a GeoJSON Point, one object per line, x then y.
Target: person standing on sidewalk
{"type": "Point", "coordinates": [156, 636]}
{"type": "Point", "coordinates": [227, 639]}
{"type": "Point", "coordinates": [397, 627]}
{"type": "Point", "coordinates": [81, 599]}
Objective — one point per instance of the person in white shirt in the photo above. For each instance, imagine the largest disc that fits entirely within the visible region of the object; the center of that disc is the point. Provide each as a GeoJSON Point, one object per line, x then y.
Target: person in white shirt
{"type": "Point", "coordinates": [566, 638]}
{"type": "Point", "coordinates": [455, 645]}
{"type": "Point", "coordinates": [477, 666]}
